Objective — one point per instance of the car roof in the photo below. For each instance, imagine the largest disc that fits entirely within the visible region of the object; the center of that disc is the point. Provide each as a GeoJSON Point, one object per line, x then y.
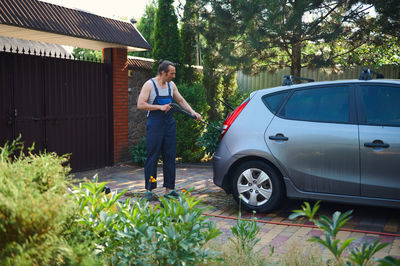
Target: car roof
{"type": "Point", "coordinates": [319, 83]}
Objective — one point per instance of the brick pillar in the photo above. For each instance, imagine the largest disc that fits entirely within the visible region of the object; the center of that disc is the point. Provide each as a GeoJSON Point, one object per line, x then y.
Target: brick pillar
{"type": "Point", "coordinates": [117, 57]}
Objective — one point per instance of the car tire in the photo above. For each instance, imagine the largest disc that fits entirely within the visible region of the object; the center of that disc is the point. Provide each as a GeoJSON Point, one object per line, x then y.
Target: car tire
{"type": "Point", "coordinates": [257, 187]}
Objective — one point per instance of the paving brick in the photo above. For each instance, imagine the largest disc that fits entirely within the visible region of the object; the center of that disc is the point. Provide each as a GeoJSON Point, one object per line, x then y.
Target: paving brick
{"type": "Point", "coordinates": [343, 235]}
{"type": "Point", "coordinates": [288, 234]}
{"type": "Point", "coordinates": [315, 232]}
{"type": "Point", "coordinates": [274, 232]}
{"type": "Point", "coordinates": [395, 250]}
{"type": "Point", "coordinates": [277, 219]}
{"type": "Point", "coordinates": [292, 229]}
{"type": "Point", "coordinates": [302, 231]}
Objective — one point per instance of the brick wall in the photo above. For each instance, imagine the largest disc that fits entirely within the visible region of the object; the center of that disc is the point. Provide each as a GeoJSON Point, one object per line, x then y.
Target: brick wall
{"type": "Point", "coordinates": [118, 58]}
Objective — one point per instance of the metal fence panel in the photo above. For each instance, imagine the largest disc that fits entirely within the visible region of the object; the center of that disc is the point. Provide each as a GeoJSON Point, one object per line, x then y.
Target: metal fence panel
{"type": "Point", "coordinates": [272, 79]}
{"type": "Point", "coordinates": [62, 105]}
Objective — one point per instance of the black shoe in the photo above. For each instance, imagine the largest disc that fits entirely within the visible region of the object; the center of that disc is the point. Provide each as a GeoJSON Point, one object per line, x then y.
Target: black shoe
{"type": "Point", "coordinates": [149, 196]}
{"type": "Point", "coordinates": [172, 194]}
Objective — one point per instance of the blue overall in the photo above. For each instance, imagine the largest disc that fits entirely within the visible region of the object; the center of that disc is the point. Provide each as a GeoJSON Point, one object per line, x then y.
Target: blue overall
{"type": "Point", "coordinates": [160, 138]}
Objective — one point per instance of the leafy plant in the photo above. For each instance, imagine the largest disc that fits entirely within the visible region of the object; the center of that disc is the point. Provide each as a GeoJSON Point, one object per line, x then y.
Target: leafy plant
{"type": "Point", "coordinates": [143, 234]}
{"type": "Point", "coordinates": [331, 227]}
{"type": "Point", "coordinates": [364, 255]}
{"type": "Point", "coordinates": [187, 129]}
{"type": "Point", "coordinates": [138, 152]}
{"type": "Point", "coordinates": [36, 216]}
{"type": "Point", "coordinates": [389, 261]}
{"type": "Point", "coordinates": [245, 234]}
{"type": "Point", "coordinates": [209, 139]}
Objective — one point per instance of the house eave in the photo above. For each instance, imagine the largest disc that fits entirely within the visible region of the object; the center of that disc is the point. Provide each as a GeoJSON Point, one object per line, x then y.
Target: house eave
{"type": "Point", "coordinates": [48, 37]}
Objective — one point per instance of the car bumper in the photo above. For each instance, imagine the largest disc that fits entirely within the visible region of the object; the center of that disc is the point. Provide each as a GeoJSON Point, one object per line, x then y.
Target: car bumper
{"type": "Point", "coordinates": [221, 163]}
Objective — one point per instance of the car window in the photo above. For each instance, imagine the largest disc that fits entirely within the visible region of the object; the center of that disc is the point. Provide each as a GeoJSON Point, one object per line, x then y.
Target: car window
{"type": "Point", "coordinates": [273, 101]}
{"type": "Point", "coordinates": [381, 104]}
{"type": "Point", "coordinates": [328, 104]}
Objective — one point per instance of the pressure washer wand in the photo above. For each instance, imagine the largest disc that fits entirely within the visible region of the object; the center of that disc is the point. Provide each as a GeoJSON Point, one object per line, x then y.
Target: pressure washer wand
{"type": "Point", "coordinates": [177, 108]}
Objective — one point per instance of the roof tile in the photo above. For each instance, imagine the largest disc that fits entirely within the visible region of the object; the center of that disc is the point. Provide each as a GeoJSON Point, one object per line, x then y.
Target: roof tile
{"type": "Point", "coordinates": [37, 15]}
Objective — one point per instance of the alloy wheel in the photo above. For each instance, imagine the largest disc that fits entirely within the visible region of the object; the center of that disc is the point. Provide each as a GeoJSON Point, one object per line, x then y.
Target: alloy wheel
{"type": "Point", "coordinates": [254, 186]}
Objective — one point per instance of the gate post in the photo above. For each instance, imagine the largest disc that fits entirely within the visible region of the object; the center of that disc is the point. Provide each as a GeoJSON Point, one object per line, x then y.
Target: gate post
{"type": "Point", "coordinates": [117, 57]}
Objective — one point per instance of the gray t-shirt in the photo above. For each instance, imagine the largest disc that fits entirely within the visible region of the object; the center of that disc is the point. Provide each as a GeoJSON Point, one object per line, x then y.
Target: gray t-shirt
{"type": "Point", "coordinates": [161, 91]}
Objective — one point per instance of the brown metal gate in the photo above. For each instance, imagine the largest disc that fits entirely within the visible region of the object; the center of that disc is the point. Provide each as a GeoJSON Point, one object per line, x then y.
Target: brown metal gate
{"type": "Point", "coordinates": [61, 105]}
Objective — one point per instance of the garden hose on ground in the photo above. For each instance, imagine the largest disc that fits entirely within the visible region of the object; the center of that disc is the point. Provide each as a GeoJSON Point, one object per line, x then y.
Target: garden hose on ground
{"type": "Point", "coordinates": [304, 225]}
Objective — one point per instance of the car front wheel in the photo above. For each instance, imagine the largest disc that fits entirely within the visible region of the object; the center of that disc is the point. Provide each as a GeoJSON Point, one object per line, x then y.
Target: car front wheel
{"type": "Point", "coordinates": [257, 186]}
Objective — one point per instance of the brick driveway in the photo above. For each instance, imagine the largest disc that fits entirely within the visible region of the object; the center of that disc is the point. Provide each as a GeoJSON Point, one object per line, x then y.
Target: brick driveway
{"type": "Point", "coordinates": [281, 237]}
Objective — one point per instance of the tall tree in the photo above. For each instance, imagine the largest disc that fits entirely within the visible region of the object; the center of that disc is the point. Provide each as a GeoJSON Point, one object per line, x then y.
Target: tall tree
{"type": "Point", "coordinates": [167, 44]}
{"type": "Point", "coordinates": [388, 16]}
{"type": "Point", "coordinates": [189, 40]}
{"type": "Point", "coordinates": [146, 27]}
{"type": "Point", "coordinates": [275, 33]}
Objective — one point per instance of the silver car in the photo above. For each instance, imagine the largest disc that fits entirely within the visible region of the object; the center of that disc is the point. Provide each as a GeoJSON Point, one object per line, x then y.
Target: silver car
{"type": "Point", "coordinates": [335, 141]}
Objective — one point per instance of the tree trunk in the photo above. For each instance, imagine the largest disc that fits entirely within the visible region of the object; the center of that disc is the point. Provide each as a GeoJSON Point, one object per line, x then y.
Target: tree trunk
{"type": "Point", "coordinates": [296, 60]}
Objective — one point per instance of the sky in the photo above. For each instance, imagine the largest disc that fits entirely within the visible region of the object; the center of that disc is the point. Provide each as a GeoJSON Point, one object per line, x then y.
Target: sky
{"type": "Point", "coordinates": [107, 8]}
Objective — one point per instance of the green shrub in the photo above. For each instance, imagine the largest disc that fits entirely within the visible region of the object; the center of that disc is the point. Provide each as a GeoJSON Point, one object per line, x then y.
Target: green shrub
{"type": "Point", "coordinates": [331, 227]}
{"type": "Point", "coordinates": [138, 152]}
{"type": "Point", "coordinates": [187, 129]}
{"type": "Point", "coordinates": [209, 139]}
{"type": "Point", "coordinates": [34, 208]}
{"type": "Point", "coordinates": [245, 235]}
{"type": "Point", "coordinates": [143, 234]}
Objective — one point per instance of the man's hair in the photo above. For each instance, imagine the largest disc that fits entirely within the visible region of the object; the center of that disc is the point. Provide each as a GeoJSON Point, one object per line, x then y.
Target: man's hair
{"type": "Point", "coordinates": [164, 66]}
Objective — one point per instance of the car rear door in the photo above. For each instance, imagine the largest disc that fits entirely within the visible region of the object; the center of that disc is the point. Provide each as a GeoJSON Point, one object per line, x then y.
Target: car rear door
{"type": "Point", "coordinates": [379, 111]}
{"type": "Point", "coordinates": [314, 137]}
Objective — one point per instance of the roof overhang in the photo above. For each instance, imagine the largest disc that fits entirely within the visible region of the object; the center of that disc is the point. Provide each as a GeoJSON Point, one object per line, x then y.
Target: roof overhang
{"type": "Point", "coordinates": [48, 37]}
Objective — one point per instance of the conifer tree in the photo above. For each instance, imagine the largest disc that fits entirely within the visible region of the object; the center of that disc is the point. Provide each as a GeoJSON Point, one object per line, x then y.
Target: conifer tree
{"type": "Point", "coordinates": [146, 27]}
{"type": "Point", "coordinates": [188, 36]}
{"type": "Point", "coordinates": [167, 44]}
{"type": "Point", "coordinates": [388, 16]}
{"type": "Point", "coordinates": [275, 33]}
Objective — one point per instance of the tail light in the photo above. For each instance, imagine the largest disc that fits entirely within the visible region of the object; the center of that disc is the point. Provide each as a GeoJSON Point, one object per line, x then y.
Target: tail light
{"type": "Point", "coordinates": [229, 120]}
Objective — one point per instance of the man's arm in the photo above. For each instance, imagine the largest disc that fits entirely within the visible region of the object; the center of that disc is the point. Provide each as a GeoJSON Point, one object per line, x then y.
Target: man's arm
{"type": "Point", "coordinates": [183, 103]}
{"type": "Point", "coordinates": [144, 95]}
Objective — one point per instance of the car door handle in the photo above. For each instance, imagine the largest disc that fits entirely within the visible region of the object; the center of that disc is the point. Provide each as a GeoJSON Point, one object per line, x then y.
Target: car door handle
{"type": "Point", "coordinates": [376, 144]}
{"type": "Point", "coordinates": [279, 137]}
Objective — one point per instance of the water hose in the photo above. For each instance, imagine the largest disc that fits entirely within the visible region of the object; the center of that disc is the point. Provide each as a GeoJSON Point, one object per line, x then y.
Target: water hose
{"type": "Point", "coordinates": [177, 108]}
{"type": "Point", "coordinates": [304, 225]}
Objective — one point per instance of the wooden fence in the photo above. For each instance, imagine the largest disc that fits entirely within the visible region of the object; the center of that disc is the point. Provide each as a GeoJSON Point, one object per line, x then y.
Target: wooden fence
{"type": "Point", "coordinates": [272, 79]}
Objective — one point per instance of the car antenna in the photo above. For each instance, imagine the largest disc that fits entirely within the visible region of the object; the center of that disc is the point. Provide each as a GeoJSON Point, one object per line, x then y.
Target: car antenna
{"type": "Point", "coordinates": [366, 74]}
{"type": "Point", "coordinates": [288, 79]}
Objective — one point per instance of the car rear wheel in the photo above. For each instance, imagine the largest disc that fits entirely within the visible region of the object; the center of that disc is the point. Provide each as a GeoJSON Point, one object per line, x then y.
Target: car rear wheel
{"type": "Point", "coordinates": [257, 186]}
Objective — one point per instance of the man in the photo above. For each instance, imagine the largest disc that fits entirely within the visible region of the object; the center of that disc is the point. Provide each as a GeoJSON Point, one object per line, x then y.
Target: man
{"type": "Point", "coordinates": [156, 97]}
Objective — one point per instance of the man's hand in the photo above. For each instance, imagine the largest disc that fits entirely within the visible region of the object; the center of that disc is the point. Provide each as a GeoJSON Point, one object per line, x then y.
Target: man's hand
{"type": "Point", "coordinates": [165, 107]}
{"type": "Point", "coordinates": [197, 115]}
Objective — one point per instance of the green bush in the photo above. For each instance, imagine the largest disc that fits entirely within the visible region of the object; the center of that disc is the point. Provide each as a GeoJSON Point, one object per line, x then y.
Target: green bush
{"type": "Point", "coordinates": [143, 234]}
{"type": "Point", "coordinates": [245, 237]}
{"type": "Point", "coordinates": [138, 152]}
{"type": "Point", "coordinates": [209, 139]}
{"type": "Point", "coordinates": [34, 209]}
{"type": "Point", "coordinates": [187, 129]}
{"type": "Point", "coordinates": [331, 227]}
{"type": "Point", "coordinates": [44, 222]}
